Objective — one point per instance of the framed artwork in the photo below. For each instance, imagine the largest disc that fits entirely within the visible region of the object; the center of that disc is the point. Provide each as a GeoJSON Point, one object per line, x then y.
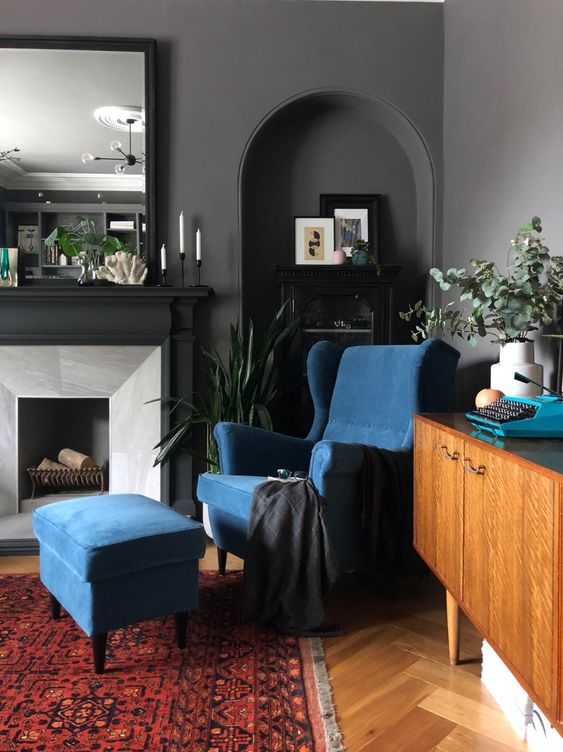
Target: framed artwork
{"type": "Point", "coordinates": [357, 216]}
{"type": "Point", "coordinates": [314, 240]}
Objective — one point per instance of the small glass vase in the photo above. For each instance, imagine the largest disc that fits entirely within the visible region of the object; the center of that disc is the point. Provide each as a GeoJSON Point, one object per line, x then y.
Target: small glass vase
{"type": "Point", "coordinates": [5, 273]}
{"type": "Point", "coordinates": [88, 273]}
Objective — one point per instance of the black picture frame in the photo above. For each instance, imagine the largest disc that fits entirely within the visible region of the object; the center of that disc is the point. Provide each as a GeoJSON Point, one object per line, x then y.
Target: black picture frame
{"type": "Point", "coordinates": [147, 47]}
{"type": "Point", "coordinates": [332, 204]}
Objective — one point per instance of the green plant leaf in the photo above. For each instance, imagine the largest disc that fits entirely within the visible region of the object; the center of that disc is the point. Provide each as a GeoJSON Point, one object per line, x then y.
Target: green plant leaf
{"type": "Point", "coordinates": [240, 388]}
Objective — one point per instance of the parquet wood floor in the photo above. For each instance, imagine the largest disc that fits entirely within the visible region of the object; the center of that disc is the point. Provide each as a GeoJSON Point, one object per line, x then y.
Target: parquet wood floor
{"type": "Point", "coordinates": [393, 688]}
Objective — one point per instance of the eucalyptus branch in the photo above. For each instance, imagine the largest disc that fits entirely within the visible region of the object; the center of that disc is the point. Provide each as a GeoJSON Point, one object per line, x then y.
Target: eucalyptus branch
{"type": "Point", "coordinates": [506, 307]}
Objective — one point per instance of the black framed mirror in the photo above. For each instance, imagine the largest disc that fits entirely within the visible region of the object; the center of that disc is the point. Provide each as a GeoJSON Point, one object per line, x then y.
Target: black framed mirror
{"type": "Point", "coordinates": [77, 137]}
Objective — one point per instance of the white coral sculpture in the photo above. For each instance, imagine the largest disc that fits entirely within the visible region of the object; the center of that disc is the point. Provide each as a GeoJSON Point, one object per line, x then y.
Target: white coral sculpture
{"type": "Point", "coordinates": [123, 268]}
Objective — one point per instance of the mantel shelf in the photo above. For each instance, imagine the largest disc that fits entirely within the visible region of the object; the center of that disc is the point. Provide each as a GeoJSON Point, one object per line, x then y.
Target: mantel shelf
{"type": "Point", "coordinates": [336, 330]}
{"type": "Point", "coordinates": [337, 273]}
{"type": "Point", "coordinates": [114, 292]}
{"type": "Point", "coordinates": [116, 314]}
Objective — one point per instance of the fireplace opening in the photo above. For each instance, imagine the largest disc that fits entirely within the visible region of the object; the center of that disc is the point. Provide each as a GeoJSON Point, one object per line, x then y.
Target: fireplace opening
{"type": "Point", "coordinates": [47, 425]}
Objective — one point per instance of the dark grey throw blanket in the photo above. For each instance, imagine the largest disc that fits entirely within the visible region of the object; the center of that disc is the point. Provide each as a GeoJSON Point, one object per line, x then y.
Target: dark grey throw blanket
{"type": "Point", "coordinates": [387, 512]}
{"type": "Point", "coordinates": [289, 564]}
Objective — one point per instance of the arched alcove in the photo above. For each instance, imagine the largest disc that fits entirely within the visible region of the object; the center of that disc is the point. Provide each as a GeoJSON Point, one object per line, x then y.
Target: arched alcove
{"type": "Point", "coordinates": [333, 142]}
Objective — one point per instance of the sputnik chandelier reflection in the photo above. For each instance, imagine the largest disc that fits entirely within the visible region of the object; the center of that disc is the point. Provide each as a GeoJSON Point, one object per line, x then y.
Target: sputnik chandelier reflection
{"type": "Point", "coordinates": [122, 119]}
{"type": "Point", "coordinates": [7, 154]}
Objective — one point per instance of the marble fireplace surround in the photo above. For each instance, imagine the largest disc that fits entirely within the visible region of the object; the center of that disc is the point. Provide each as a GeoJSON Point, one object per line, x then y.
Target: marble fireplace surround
{"type": "Point", "coordinates": [128, 376]}
{"type": "Point", "coordinates": [127, 344]}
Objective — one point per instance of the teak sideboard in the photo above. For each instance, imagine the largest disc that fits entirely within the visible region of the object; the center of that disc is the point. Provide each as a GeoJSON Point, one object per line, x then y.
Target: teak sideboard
{"type": "Point", "coordinates": [487, 521]}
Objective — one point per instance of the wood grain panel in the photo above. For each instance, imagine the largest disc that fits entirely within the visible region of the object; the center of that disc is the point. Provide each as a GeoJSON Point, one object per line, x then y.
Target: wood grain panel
{"type": "Point", "coordinates": [18, 564]}
{"type": "Point", "coordinates": [417, 731]}
{"type": "Point", "coordinates": [486, 721]}
{"type": "Point", "coordinates": [438, 503]}
{"type": "Point", "coordinates": [453, 679]}
{"type": "Point", "coordinates": [508, 560]}
{"type": "Point", "coordinates": [464, 740]}
{"type": "Point", "coordinates": [558, 611]}
{"type": "Point", "coordinates": [386, 704]}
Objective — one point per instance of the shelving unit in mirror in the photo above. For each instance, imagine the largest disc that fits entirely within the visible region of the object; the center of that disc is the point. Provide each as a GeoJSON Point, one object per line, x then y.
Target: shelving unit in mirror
{"type": "Point", "coordinates": [28, 224]}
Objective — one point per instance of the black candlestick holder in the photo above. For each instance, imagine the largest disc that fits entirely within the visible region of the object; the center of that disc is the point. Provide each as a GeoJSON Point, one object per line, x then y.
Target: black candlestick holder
{"type": "Point", "coordinates": [163, 279]}
{"type": "Point", "coordinates": [182, 259]}
{"type": "Point", "coordinates": [198, 264]}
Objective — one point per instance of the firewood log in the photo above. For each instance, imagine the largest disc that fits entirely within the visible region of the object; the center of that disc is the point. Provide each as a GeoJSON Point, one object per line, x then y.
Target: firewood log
{"type": "Point", "coordinates": [47, 464]}
{"type": "Point", "coordinates": [75, 460]}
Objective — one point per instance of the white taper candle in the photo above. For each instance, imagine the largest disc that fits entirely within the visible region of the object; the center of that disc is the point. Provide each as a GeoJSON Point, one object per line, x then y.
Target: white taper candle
{"type": "Point", "coordinates": [182, 232]}
{"type": "Point", "coordinates": [198, 245]}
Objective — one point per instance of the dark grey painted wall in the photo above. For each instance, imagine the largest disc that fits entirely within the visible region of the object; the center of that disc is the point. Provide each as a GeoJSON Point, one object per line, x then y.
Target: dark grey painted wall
{"type": "Point", "coordinates": [223, 66]}
{"type": "Point", "coordinates": [503, 140]}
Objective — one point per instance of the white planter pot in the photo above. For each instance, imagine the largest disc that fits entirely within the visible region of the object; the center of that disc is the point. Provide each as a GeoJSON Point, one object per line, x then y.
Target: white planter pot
{"type": "Point", "coordinates": [516, 356]}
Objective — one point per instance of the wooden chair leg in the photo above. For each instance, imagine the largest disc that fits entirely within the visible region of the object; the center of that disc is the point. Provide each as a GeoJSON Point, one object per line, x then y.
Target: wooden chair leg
{"type": "Point", "coordinates": [180, 625]}
{"type": "Point", "coordinates": [99, 642]}
{"type": "Point", "coordinates": [55, 608]}
{"type": "Point", "coordinates": [452, 615]}
{"type": "Point", "coordinates": [222, 560]}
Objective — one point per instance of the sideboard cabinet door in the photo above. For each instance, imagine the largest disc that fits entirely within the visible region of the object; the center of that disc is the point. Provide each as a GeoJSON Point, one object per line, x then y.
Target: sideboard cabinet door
{"type": "Point", "coordinates": [508, 584]}
{"type": "Point", "coordinates": [438, 503]}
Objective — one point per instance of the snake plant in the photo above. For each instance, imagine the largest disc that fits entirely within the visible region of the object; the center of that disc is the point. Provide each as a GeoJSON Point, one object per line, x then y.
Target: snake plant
{"type": "Point", "coordinates": [239, 389]}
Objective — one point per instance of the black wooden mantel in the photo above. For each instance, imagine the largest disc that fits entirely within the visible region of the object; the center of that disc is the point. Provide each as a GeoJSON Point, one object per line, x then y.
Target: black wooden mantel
{"type": "Point", "coordinates": [116, 315]}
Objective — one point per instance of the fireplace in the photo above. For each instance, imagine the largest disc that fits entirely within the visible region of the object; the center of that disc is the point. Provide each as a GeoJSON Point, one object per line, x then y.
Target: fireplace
{"type": "Point", "coordinates": [91, 360]}
{"type": "Point", "coordinates": [47, 425]}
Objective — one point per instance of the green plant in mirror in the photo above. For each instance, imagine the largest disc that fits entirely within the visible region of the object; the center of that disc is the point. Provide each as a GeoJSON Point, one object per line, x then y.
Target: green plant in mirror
{"type": "Point", "coordinates": [504, 306]}
{"type": "Point", "coordinates": [239, 389]}
{"type": "Point", "coordinates": [81, 239]}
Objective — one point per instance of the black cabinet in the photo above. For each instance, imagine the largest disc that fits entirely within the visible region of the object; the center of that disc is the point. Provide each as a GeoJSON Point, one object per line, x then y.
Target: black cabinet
{"type": "Point", "coordinates": [349, 305]}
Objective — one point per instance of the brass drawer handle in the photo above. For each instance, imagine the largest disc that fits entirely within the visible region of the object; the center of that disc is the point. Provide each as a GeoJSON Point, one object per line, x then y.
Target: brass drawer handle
{"type": "Point", "coordinates": [446, 454]}
{"type": "Point", "coordinates": [479, 470]}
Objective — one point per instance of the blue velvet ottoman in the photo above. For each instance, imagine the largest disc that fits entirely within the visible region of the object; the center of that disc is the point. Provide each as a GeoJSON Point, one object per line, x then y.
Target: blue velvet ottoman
{"type": "Point", "coordinates": [118, 559]}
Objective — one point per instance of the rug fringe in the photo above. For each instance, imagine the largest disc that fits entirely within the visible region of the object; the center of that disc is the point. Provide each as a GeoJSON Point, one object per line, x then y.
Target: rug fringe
{"type": "Point", "coordinates": [328, 712]}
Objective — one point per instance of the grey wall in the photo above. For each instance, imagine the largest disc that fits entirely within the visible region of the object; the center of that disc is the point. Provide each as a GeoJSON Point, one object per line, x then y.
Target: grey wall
{"type": "Point", "coordinates": [224, 65]}
{"type": "Point", "coordinates": [503, 140]}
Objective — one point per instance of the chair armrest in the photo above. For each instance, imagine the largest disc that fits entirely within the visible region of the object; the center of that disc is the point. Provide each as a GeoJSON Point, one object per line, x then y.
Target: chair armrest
{"type": "Point", "coordinates": [246, 450]}
{"type": "Point", "coordinates": [336, 470]}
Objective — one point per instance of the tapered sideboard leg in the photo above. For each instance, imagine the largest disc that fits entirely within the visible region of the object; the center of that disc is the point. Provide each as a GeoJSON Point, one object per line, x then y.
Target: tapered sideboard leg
{"type": "Point", "coordinates": [452, 614]}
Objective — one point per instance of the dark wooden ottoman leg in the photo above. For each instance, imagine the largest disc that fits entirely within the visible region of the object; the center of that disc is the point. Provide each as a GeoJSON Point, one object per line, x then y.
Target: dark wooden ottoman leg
{"type": "Point", "coordinates": [99, 642]}
{"type": "Point", "coordinates": [55, 607]}
{"type": "Point", "coordinates": [222, 559]}
{"type": "Point", "coordinates": [181, 625]}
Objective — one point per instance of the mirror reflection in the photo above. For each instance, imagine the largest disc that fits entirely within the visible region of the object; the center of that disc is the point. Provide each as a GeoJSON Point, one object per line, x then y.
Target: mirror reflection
{"type": "Point", "coordinates": [72, 143]}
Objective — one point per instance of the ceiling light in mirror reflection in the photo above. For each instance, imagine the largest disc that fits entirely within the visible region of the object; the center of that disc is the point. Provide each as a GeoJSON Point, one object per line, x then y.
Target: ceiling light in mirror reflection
{"type": "Point", "coordinates": [48, 100]}
{"type": "Point", "coordinates": [127, 158]}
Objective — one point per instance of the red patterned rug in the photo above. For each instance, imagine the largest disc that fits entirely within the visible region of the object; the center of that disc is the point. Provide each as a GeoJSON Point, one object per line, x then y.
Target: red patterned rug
{"type": "Point", "coordinates": [235, 688]}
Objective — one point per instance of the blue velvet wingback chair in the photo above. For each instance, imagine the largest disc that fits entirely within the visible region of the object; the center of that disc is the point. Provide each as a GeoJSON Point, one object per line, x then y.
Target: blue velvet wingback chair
{"type": "Point", "coordinates": [361, 395]}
